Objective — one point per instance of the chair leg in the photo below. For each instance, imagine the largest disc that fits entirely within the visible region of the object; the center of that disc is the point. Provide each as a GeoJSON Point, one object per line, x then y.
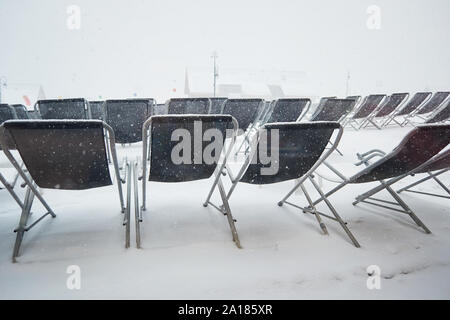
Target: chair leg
{"type": "Point", "coordinates": [387, 185]}
{"type": "Point", "coordinates": [11, 191]}
{"type": "Point", "coordinates": [407, 209]}
{"type": "Point", "coordinates": [227, 208]}
{"type": "Point", "coordinates": [126, 218]}
{"type": "Point", "coordinates": [430, 176]}
{"type": "Point", "coordinates": [137, 215]}
{"type": "Point", "coordinates": [336, 215]}
{"type": "Point", "coordinates": [21, 228]}
{"type": "Point", "coordinates": [314, 210]}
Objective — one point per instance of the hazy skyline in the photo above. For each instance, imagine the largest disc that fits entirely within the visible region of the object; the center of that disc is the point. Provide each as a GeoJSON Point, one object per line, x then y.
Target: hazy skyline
{"type": "Point", "coordinates": [143, 47]}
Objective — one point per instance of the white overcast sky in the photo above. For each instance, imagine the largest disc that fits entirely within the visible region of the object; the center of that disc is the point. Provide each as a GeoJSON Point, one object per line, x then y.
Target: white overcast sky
{"type": "Point", "coordinates": [143, 47]}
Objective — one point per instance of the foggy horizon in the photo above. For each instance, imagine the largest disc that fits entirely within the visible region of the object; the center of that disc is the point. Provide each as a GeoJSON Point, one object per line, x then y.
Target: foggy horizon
{"type": "Point", "coordinates": [142, 48]}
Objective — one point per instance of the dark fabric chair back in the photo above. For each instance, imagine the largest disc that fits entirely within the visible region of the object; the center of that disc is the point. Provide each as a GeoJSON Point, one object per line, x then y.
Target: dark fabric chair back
{"type": "Point", "coordinates": [369, 105]}
{"type": "Point", "coordinates": [244, 111]}
{"type": "Point", "coordinates": [126, 117]}
{"type": "Point", "coordinates": [7, 112]}
{"type": "Point", "coordinates": [63, 109]}
{"type": "Point", "coordinates": [418, 146]}
{"type": "Point", "coordinates": [391, 104]}
{"type": "Point", "coordinates": [162, 166]}
{"type": "Point", "coordinates": [435, 101]}
{"type": "Point", "coordinates": [188, 106]}
{"type": "Point", "coordinates": [439, 162]}
{"type": "Point", "coordinates": [217, 105]}
{"type": "Point", "coordinates": [69, 155]}
{"type": "Point", "coordinates": [288, 110]}
{"type": "Point", "coordinates": [300, 145]}
{"type": "Point", "coordinates": [414, 103]}
{"type": "Point", "coordinates": [334, 109]}
{"type": "Point", "coordinates": [442, 115]}
{"type": "Point", "coordinates": [21, 111]}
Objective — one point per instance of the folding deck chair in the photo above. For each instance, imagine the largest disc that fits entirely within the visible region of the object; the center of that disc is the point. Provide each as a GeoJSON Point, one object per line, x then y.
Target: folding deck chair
{"type": "Point", "coordinates": [163, 168]}
{"type": "Point", "coordinates": [77, 108]}
{"type": "Point", "coordinates": [370, 105]}
{"type": "Point", "coordinates": [61, 154]}
{"type": "Point", "coordinates": [217, 105]}
{"type": "Point", "coordinates": [440, 115]}
{"type": "Point", "coordinates": [416, 148]}
{"type": "Point", "coordinates": [126, 117]}
{"type": "Point", "coordinates": [418, 100]}
{"type": "Point", "coordinates": [280, 110]}
{"type": "Point", "coordinates": [301, 149]}
{"type": "Point", "coordinates": [392, 103]}
{"type": "Point", "coordinates": [97, 110]}
{"type": "Point", "coordinates": [334, 110]}
{"type": "Point", "coordinates": [288, 110]}
{"type": "Point", "coordinates": [21, 111]}
{"type": "Point", "coordinates": [435, 167]}
{"type": "Point", "coordinates": [188, 106]}
{"type": "Point", "coordinates": [245, 111]}
{"type": "Point", "coordinates": [7, 112]}
{"type": "Point", "coordinates": [319, 106]}
{"type": "Point", "coordinates": [433, 104]}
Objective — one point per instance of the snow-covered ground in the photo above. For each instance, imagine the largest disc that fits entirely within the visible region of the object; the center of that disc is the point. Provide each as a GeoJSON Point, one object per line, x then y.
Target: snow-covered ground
{"type": "Point", "coordinates": [188, 253]}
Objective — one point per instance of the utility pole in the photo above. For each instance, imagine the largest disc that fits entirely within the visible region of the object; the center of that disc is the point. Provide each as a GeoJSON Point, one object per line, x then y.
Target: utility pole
{"type": "Point", "coordinates": [347, 84]}
{"type": "Point", "coordinates": [3, 83]}
{"type": "Point", "coordinates": [216, 74]}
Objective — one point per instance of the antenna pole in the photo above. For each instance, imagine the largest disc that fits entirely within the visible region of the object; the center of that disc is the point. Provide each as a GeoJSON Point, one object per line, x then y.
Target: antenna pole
{"type": "Point", "coordinates": [216, 74]}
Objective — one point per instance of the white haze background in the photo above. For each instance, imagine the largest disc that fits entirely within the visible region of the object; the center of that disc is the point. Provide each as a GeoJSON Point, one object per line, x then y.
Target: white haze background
{"type": "Point", "coordinates": [143, 47]}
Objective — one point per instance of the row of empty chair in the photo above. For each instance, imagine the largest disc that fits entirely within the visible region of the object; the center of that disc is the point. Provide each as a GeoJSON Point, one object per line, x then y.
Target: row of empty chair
{"type": "Point", "coordinates": [380, 110]}
{"type": "Point", "coordinates": [303, 146]}
{"type": "Point", "coordinates": [376, 110]}
{"type": "Point", "coordinates": [301, 150]}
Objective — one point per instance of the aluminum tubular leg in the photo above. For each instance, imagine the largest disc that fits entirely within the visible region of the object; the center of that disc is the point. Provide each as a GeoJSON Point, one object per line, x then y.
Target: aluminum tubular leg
{"type": "Point", "coordinates": [145, 155]}
{"type": "Point", "coordinates": [336, 215]}
{"type": "Point", "coordinates": [224, 165]}
{"type": "Point", "coordinates": [387, 185]}
{"type": "Point", "coordinates": [9, 188]}
{"type": "Point", "coordinates": [401, 203]}
{"type": "Point", "coordinates": [16, 177]}
{"type": "Point", "coordinates": [228, 214]}
{"type": "Point", "coordinates": [137, 216]}
{"type": "Point", "coordinates": [126, 218]}
{"type": "Point", "coordinates": [314, 210]}
{"type": "Point", "coordinates": [314, 167]}
{"type": "Point", "coordinates": [108, 152]}
{"type": "Point", "coordinates": [431, 175]}
{"type": "Point", "coordinates": [112, 144]}
{"type": "Point", "coordinates": [407, 209]}
{"type": "Point", "coordinates": [27, 180]}
{"type": "Point", "coordinates": [21, 228]}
